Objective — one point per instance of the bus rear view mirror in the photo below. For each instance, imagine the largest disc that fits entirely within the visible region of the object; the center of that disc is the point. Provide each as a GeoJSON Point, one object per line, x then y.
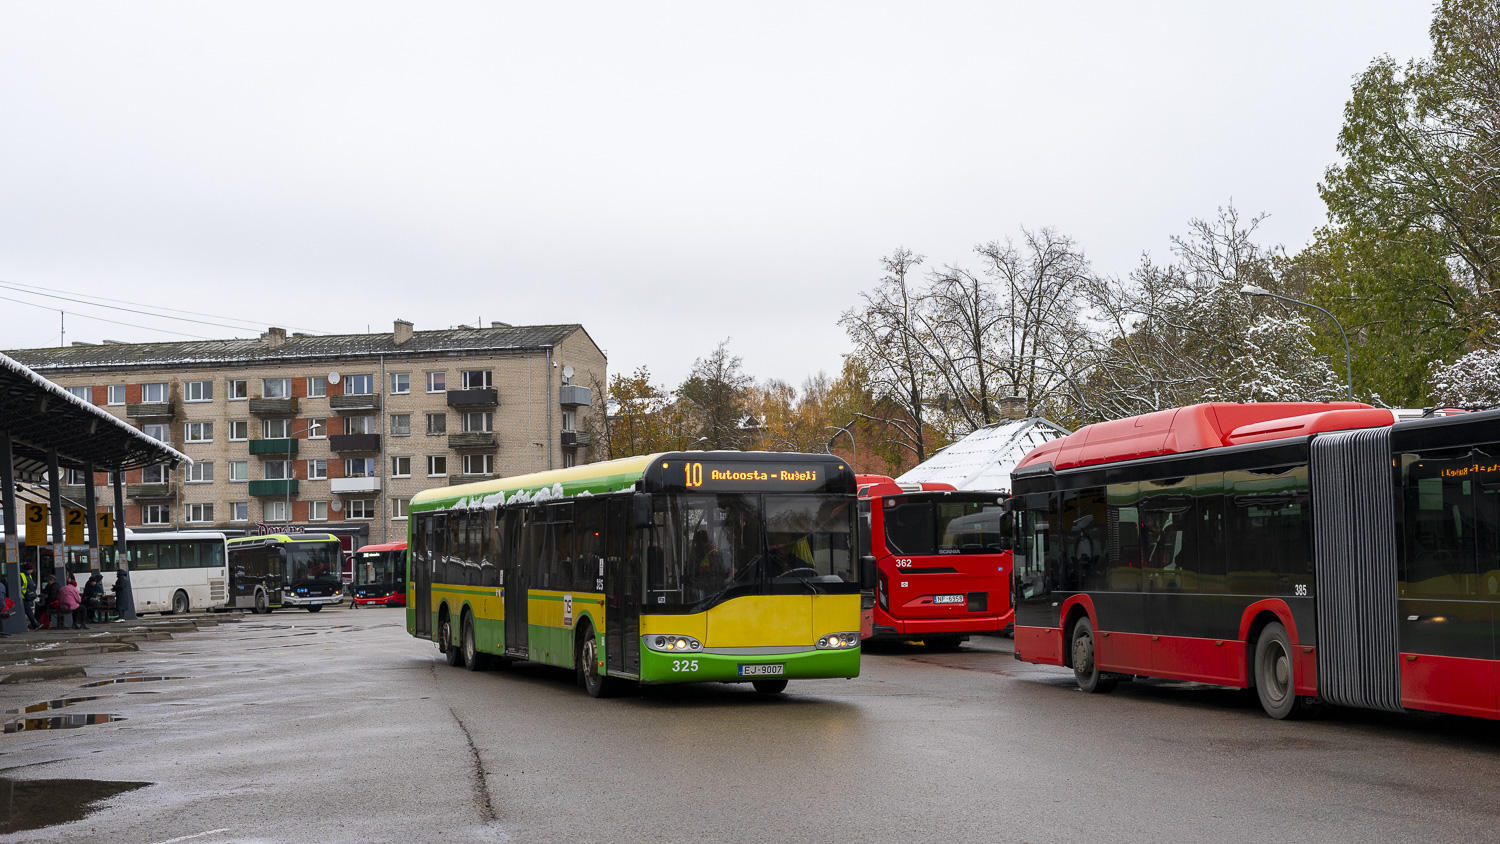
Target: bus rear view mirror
{"type": "Point", "coordinates": [867, 572]}
{"type": "Point", "coordinates": [642, 509]}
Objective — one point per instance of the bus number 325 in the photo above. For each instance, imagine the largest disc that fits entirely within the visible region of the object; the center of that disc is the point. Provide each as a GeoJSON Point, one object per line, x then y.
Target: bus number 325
{"type": "Point", "coordinates": [682, 665]}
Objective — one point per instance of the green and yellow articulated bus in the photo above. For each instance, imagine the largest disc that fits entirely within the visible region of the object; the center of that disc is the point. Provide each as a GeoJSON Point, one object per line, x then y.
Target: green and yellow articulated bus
{"type": "Point", "coordinates": [682, 567]}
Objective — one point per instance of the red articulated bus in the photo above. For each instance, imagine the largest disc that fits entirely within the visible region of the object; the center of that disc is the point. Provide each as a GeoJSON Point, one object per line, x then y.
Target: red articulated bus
{"type": "Point", "coordinates": [380, 575]}
{"type": "Point", "coordinates": [1314, 552]}
{"type": "Point", "coordinates": [937, 559]}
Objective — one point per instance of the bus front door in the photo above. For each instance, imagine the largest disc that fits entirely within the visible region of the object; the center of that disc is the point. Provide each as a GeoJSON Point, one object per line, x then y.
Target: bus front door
{"type": "Point", "coordinates": [622, 595]}
{"type": "Point", "coordinates": [515, 609]}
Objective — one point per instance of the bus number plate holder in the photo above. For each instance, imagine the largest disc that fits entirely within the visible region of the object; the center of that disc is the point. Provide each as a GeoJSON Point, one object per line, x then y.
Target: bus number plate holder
{"type": "Point", "coordinates": [762, 670]}
{"type": "Point", "coordinates": [948, 599]}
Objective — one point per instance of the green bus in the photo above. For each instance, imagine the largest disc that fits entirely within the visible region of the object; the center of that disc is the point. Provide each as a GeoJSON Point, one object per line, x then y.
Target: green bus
{"type": "Point", "coordinates": [289, 571]}
{"type": "Point", "coordinates": [681, 567]}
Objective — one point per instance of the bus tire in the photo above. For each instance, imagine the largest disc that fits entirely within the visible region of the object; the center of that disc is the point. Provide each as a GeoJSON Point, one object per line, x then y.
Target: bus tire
{"type": "Point", "coordinates": [1085, 669]}
{"type": "Point", "coordinates": [596, 684]}
{"type": "Point", "coordinates": [769, 687]}
{"type": "Point", "coordinates": [180, 603]}
{"type": "Point", "coordinates": [474, 659]}
{"type": "Point", "coordinates": [318, 608]}
{"type": "Point", "coordinates": [450, 652]}
{"type": "Point", "coordinates": [262, 603]}
{"type": "Point", "coordinates": [1275, 682]}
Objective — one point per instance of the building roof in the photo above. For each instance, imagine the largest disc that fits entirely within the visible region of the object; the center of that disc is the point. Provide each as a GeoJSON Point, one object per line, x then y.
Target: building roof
{"type": "Point", "coordinates": [41, 416]}
{"type": "Point", "coordinates": [295, 348]}
{"type": "Point", "coordinates": [985, 458]}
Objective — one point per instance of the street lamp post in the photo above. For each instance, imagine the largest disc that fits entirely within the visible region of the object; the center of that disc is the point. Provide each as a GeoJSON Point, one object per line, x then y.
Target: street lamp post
{"type": "Point", "coordinates": [1252, 290]}
{"type": "Point", "coordinates": [853, 444]}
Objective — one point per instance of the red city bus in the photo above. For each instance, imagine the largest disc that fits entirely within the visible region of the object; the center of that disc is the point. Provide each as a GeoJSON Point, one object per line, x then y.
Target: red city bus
{"type": "Point", "coordinates": [1314, 552]}
{"type": "Point", "coordinates": [937, 559]}
{"type": "Point", "coordinates": [380, 575]}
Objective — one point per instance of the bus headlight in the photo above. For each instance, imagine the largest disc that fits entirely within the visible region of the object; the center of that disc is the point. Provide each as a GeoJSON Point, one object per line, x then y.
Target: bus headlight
{"type": "Point", "coordinates": [838, 641]}
{"type": "Point", "coordinates": [672, 643]}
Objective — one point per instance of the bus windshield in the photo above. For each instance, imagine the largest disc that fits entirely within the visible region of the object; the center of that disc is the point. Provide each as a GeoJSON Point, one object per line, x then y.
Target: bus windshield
{"type": "Point", "coordinates": [929, 526]}
{"type": "Point", "coordinates": [706, 548]}
{"type": "Point", "coordinates": [316, 562]}
{"type": "Point", "coordinates": [379, 568]}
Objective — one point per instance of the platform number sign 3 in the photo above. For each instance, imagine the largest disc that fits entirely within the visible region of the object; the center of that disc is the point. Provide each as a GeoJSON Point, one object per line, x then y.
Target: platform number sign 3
{"type": "Point", "coordinates": [36, 524]}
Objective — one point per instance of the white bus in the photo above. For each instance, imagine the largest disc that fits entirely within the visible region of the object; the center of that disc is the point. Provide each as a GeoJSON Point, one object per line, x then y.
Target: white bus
{"type": "Point", "coordinates": [169, 572]}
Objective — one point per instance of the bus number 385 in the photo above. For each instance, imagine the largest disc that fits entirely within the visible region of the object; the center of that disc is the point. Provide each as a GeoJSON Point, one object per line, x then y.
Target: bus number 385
{"type": "Point", "coordinates": [681, 665]}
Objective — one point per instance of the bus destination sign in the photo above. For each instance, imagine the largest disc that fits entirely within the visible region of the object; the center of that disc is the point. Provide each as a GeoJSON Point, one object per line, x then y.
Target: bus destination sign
{"type": "Point", "coordinates": [708, 474]}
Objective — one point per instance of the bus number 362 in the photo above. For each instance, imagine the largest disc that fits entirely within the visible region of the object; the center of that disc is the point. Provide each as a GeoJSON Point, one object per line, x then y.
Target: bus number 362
{"type": "Point", "coordinates": [681, 665]}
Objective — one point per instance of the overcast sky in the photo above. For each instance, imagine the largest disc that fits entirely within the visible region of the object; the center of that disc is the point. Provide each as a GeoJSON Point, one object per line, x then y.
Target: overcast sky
{"type": "Point", "coordinates": [668, 175]}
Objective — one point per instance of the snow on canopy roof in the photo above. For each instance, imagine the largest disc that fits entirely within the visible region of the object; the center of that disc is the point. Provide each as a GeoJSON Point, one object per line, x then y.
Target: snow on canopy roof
{"type": "Point", "coordinates": [985, 458]}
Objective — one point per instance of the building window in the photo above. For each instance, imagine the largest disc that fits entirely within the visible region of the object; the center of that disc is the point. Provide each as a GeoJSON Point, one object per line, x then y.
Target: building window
{"type": "Point", "coordinates": [75, 477]}
{"type": "Point", "coordinates": [359, 467]}
{"type": "Point", "coordinates": [157, 474]}
{"type": "Point", "coordinates": [400, 507]}
{"type": "Point", "coordinates": [400, 383]}
{"type": "Point", "coordinates": [479, 464]}
{"type": "Point", "coordinates": [201, 473]}
{"type": "Point", "coordinates": [317, 469]}
{"type": "Point", "coordinates": [155, 514]}
{"type": "Point", "coordinates": [569, 420]}
{"type": "Point", "coordinates": [116, 394]}
{"type": "Point", "coordinates": [400, 467]}
{"type": "Point", "coordinates": [437, 424]}
{"type": "Point", "coordinates": [400, 424]}
{"type": "Point", "coordinates": [153, 393]}
{"type": "Point", "coordinates": [317, 511]}
{"type": "Point", "coordinates": [478, 379]}
{"type": "Point", "coordinates": [239, 430]}
{"type": "Point", "coordinates": [360, 508]}
{"type": "Point", "coordinates": [86, 394]}
{"type": "Point", "coordinates": [359, 385]}
{"type": "Point", "coordinates": [200, 513]}
{"type": "Point", "coordinates": [478, 422]}
{"type": "Point", "coordinates": [437, 382]}
{"type": "Point", "coordinates": [276, 429]}
{"type": "Point", "coordinates": [199, 390]}
{"type": "Point", "coordinates": [275, 511]}
{"type": "Point", "coordinates": [238, 389]}
{"type": "Point", "coordinates": [275, 388]}
{"type": "Point", "coordinates": [199, 432]}
{"type": "Point", "coordinates": [570, 459]}
{"type": "Point", "coordinates": [317, 386]}
{"type": "Point", "coordinates": [277, 470]}
{"type": "Point", "coordinates": [359, 424]}
{"type": "Point", "coordinates": [156, 432]}
{"type": "Point", "coordinates": [437, 465]}
{"type": "Point", "coordinates": [239, 471]}
{"type": "Point", "coordinates": [317, 429]}
{"type": "Point", "coordinates": [239, 511]}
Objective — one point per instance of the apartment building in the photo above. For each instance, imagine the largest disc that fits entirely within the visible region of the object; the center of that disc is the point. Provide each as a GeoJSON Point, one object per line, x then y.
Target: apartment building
{"type": "Point", "coordinates": [334, 432]}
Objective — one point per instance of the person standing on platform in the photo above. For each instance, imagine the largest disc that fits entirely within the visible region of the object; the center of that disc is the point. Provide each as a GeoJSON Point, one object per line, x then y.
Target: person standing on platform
{"type": "Point", "coordinates": [123, 597]}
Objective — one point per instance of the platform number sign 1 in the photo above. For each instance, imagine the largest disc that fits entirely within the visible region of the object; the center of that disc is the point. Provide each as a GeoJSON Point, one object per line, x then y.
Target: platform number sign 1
{"type": "Point", "coordinates": [106, 522]}
{"type": "Point", "coordinates": [36, 524]}
{"type": "Point", "coordinates": [74, 521]}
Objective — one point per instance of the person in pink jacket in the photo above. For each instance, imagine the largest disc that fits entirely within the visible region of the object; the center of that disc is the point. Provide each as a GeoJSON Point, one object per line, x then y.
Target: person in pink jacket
{"type": "Point", "coordinates": [68, 601]}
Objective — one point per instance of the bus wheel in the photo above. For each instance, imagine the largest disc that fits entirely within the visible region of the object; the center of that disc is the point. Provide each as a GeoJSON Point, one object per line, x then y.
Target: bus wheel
{"type": "Point", "coordinates": [445, 643]}
{"type": "Point", "coordinates": [1085, 671]}
{"type": "Point", "coordinates": [262, 605]}
{"type": "Point", "coordinates": [596, 684]}
{"type": "Point", "coordinates": [180, 603]}
{"type": "Point", "coordinates": [474, 659]}
{"type": "Point", "coordinates": [769, 687]}
{"type": "Point", "coordinates": [1274, 683]}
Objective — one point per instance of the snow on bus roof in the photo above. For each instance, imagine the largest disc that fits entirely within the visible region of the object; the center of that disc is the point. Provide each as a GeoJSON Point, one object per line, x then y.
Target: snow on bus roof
{"type": "Point", "coordinates": [985, 458]}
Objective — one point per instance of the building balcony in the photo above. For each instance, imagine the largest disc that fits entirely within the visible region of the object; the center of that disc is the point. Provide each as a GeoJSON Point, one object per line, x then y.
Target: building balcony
{"type": "Point", "coordinates": [149, 410]}
{"type": "Point", "coordinates": [77, 493]}
{"type": "Point", "coordinates": [285, 445]}
{"type": "Point", "coordinates": [274, 488]}
{"type": "Point", "coordinates": [455, 480]}
{"type": "Point", "coordinates": [354, 404]}
{"type": "Point", "coordinates": [354, 442]}
{"type": "Point", "coordinates": [145, 492]}
{"type": "Point", "coordinates": [273, 407]}
{"type": "Point", "coordinates": [576, 439]}
{"type": "Point", "coordinates": [572, 395]}
{"type": "Point", "coordinates": [341, 486]}
{"type": "Point", "coordinates": [473, 398]}
{"type": "Point", "coordinates": [472, 440]}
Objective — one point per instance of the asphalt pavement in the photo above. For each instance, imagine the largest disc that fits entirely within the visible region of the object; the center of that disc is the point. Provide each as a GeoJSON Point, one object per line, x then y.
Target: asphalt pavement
{"type": "Point", "coordinates": [338, 727]}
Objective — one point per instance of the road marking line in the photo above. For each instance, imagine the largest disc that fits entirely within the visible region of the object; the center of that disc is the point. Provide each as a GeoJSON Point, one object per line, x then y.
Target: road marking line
{"type": "Point", "coordinates": [196, 835]}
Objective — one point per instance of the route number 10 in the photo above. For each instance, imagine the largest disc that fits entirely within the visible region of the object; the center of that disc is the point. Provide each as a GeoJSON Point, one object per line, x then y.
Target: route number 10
{"type": "Point", "coordinates": [694, 473]}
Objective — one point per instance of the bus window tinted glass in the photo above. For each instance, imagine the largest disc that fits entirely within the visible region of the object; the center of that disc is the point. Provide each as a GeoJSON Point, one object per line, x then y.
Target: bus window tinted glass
{"type": "Point", "coordinates": [1083, 539]}
{"type": "Point", "coordinates": [700, 547]}
{"type": "Point", "coordinates": [1442, 532]}
{"type": "Point", "coordinates": [1268, 529]}
{"type": "Point", "coordinates": [1124, 554]}
{"type": "Point", "coordinates": [968, 527]}
{"type": "Point", "coordinates": [909, 528]}
{"type": "Point", "coordinates": [811, 537]}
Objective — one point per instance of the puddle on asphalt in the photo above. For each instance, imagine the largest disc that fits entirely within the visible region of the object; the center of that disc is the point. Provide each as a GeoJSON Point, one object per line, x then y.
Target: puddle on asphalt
{"type": "Point", "coordinates": [49, 704]}
{"type": "Point", "coordinates": [34, 804]}
{"type": "Point", "coordinates": [59, 722]}
{"type": "Point", "coordinates": [97, 683]}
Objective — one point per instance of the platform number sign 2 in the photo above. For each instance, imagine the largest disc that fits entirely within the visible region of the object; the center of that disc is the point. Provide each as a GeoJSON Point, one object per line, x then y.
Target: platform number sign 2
{"type": "Point", "coordinates": [36, 524]}
{"type": "Point", "coordinates": [74, 521]}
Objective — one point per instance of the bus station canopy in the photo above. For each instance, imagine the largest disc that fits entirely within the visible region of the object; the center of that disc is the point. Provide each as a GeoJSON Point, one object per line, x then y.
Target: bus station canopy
{"type": "Point", "coordinates": [40, 416]}
{"type": "Point", "coordinates": [985, 458]}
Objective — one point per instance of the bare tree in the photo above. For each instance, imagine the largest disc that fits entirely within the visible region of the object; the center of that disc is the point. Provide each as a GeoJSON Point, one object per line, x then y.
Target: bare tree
{"type": "Point", "coordinates": [888, 344]}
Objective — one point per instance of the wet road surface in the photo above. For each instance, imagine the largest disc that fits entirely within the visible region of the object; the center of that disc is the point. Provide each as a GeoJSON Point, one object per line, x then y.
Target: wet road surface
{"type": "Point", "coordinates": [339, 727]}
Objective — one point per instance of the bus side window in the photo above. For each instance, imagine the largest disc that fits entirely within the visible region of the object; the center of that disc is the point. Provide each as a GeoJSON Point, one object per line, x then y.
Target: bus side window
{"type": "Point", "coordinates": [590, 536]}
